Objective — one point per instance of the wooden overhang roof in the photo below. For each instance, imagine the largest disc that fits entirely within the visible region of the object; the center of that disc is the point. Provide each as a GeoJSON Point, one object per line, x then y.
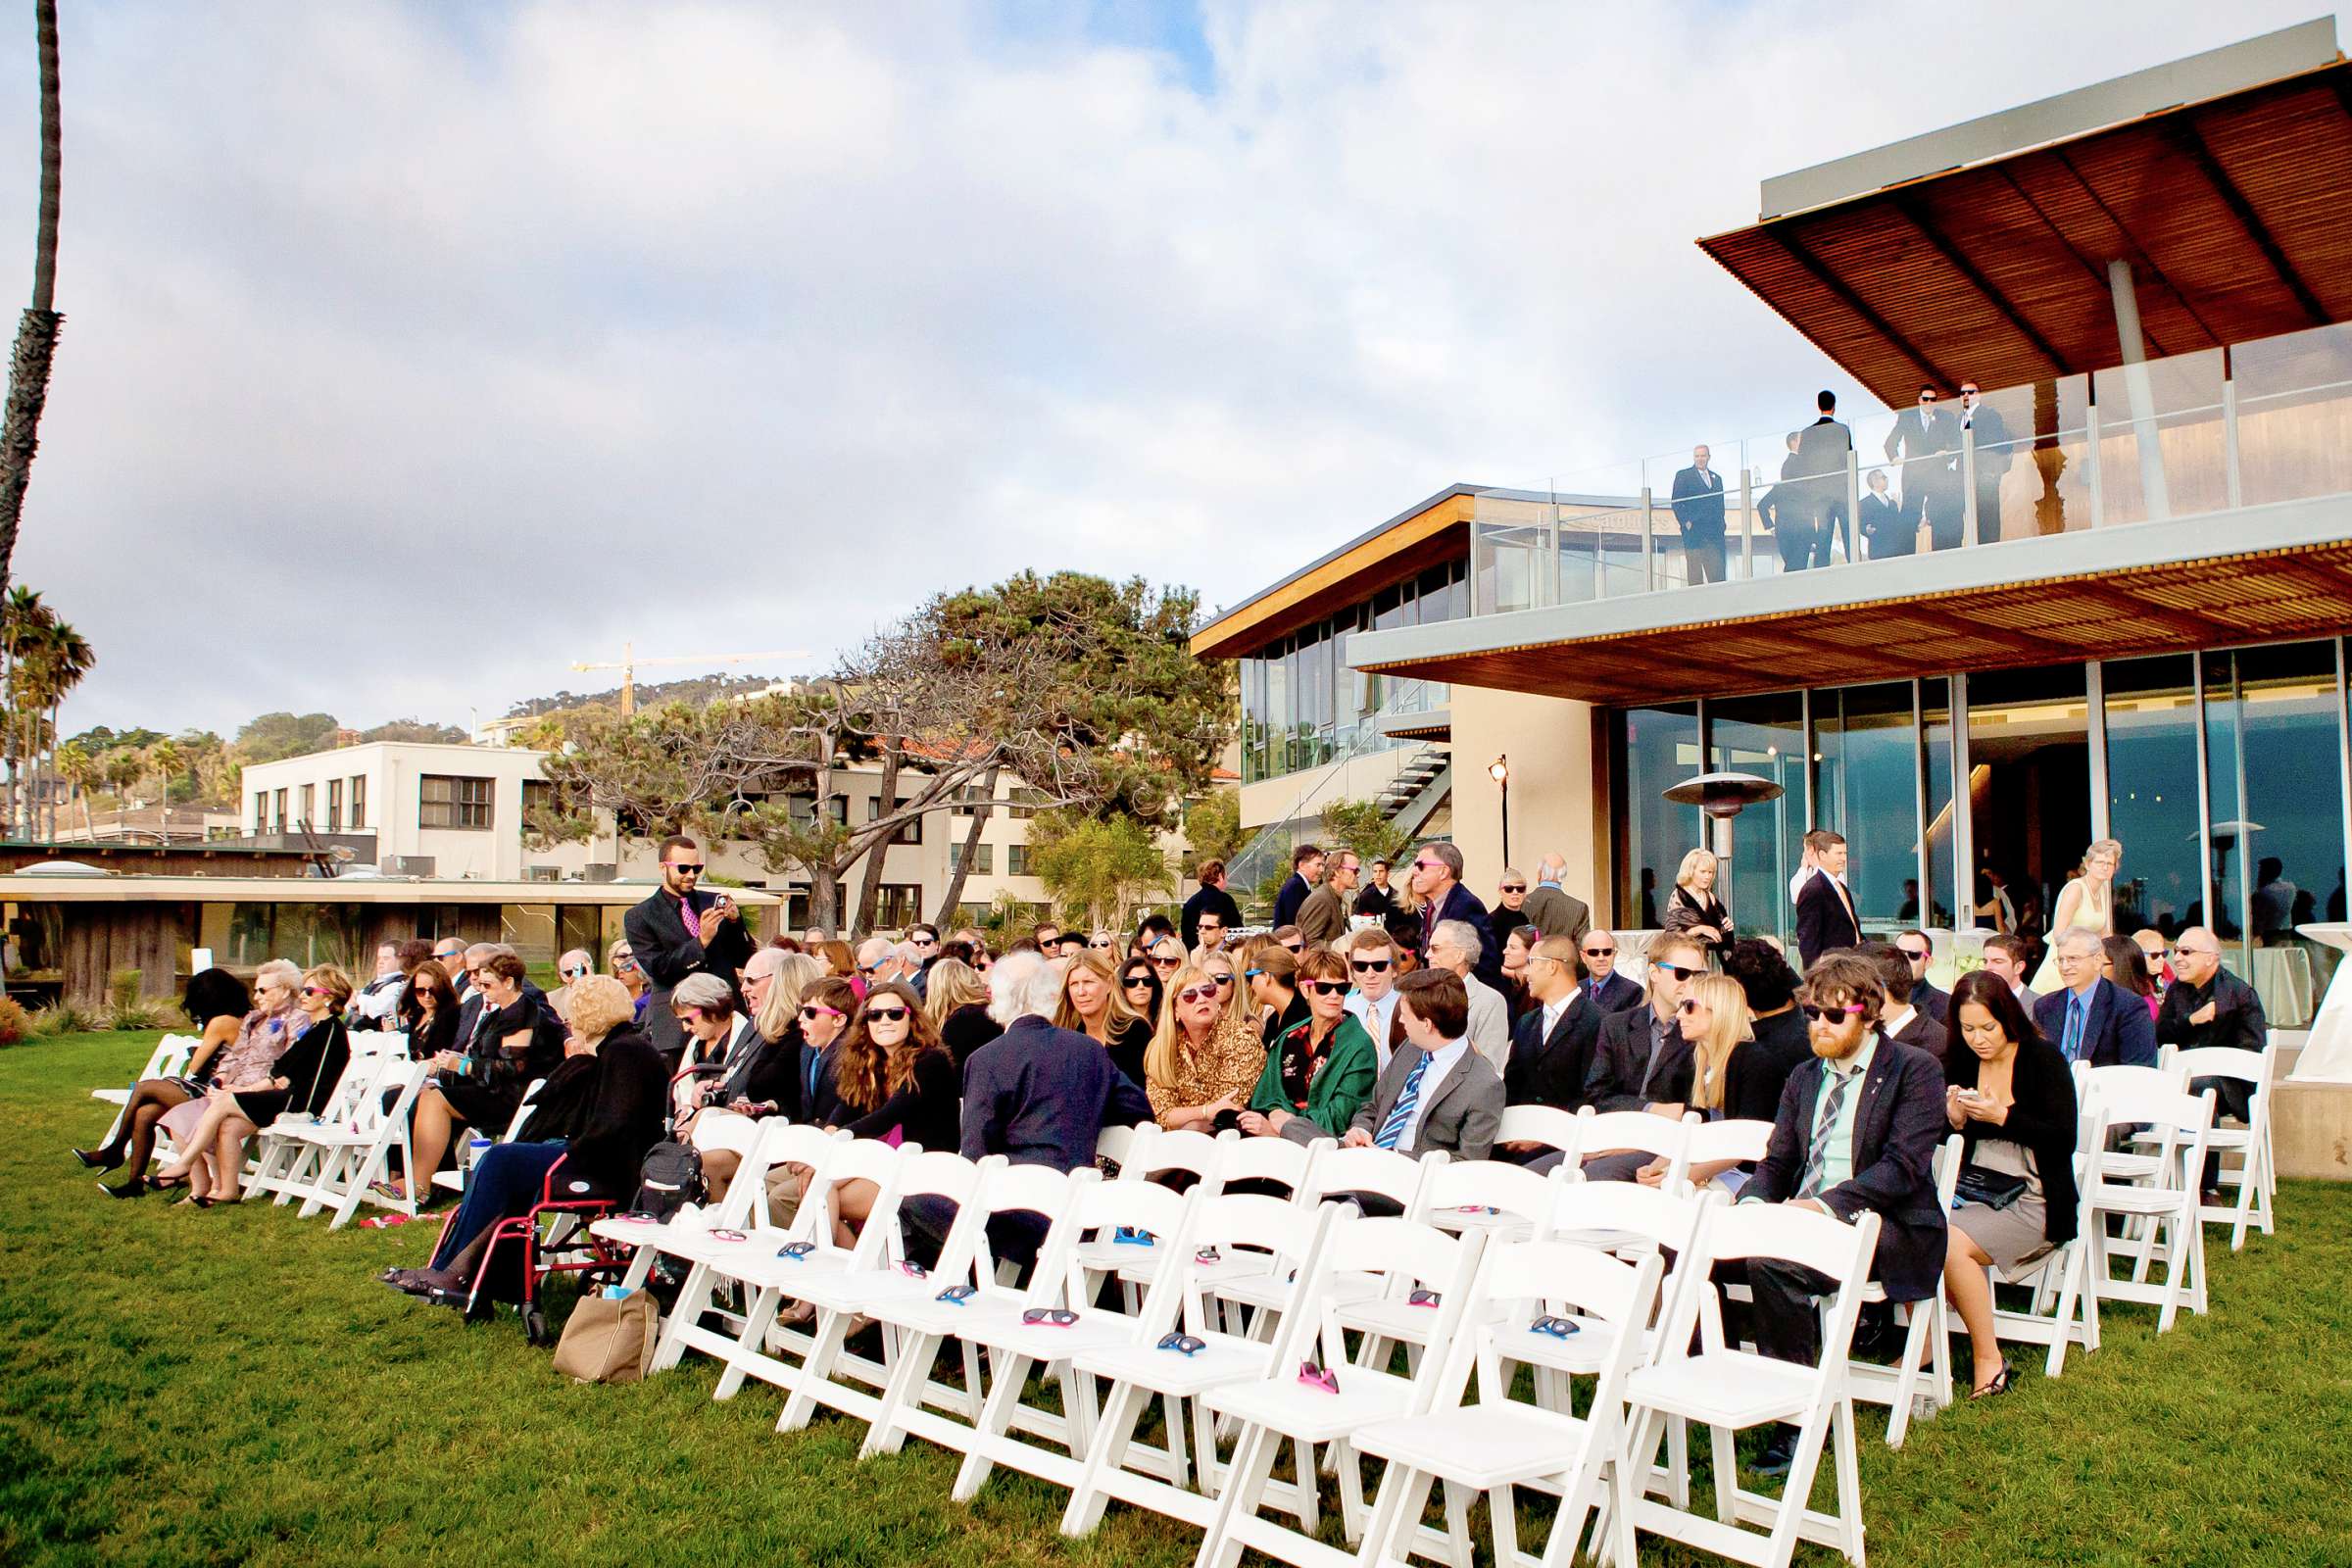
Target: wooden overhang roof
{"type": "Point", "coordinates": [2022, 603]}
{"type": "Point", "coordinates": [2232, 210]}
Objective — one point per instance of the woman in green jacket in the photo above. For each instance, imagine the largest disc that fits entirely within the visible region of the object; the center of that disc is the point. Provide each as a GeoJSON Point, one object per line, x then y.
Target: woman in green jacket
{"type": "Point", "coordinates": [1320, 1071]}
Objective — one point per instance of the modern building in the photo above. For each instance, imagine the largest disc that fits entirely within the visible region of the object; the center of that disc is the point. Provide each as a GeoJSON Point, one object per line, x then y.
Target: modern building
{"type": "Point", "coordinates": [454, 811]}
{"type": "Point", "coordinates": [2135, 628]}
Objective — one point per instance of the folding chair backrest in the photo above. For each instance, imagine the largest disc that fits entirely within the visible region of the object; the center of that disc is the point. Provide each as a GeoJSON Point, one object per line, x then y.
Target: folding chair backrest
{"type": "Point", "coordinates": [1393, 1176]}
{"type": "Point", "coordinates": [783, 1142]}
{"type": "Point", "coordinates": [1270, 1159]}
{"type": "Point", "coordinates": [1606, 1130]}
{"type": "Point", "coordinates": [2180, 1119]}
{"type": "Point", "coordinates": [523, 1110]}
{"type": "Point", "coordinates": [719, 1130]}
{"type": "Point", "coordinates": [1414, 1255]}
{"type": "Point", "coordinates": [1118, 1145]}
{"type": "Point", "coordinates": [357, 1085]}
{"type": "Point", "coordinates": [1548, 1125]}
{"type": "Point", "coordinates": [1232, 1224]}
{"type": "Point", "coordinates": [1519, 1281]}
{"type": "Point", "coordinates": [1739, 1232]}
{"type": "Point", "coordinates": [379, 1043]}
{"type": "Point", "coordinates": [859, 1160]}
{"type": "Point", "coordinates": [1713, 1141]}
{"type": "Point", "coordinates": [1038, 1189]}
{"type": "Point", "coordinates": [2224, 1061]}
{"type": "Point", "coordinates": [1196, 1152]}
{"type": "Point", "coordinates": [1518, 1192]}
{"type": "Point", "coordinates": [1101, 1208]}
{"type": "Point", "coordinates": [2107, 1082]}
{"type": "Point", "coordinates": [1951, 1155]}
{"type": "Point", "coordinates": [398, 1076]}
{"type": "Point", "coordinates": [162, 1055]}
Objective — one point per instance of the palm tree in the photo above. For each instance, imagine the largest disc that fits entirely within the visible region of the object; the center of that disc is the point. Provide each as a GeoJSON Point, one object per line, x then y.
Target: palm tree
{"type": "Point", "coordinates": [36, 329]}
{"type": "Point", "coordinates": [25, 623]}
{"type": "Point", "coordinates": [68, 658]}
{"type": "Point", "coordinates": [165, 758]}
{"type": "Point", "coordinates": [126, 766]}
{"type": "Point", "coordinates": [84, 772]}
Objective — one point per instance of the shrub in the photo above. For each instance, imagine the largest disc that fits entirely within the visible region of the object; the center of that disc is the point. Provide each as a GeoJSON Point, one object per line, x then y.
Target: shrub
{"type": "Point", "coordinates": [60, 1018]}
{"type": "Point", "coordinates": [16, 1025]}
{"type": "Point", "coordinates": [123, 989]}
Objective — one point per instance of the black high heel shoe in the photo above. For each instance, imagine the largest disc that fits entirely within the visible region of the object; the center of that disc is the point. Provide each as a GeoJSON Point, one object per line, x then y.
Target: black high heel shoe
{"type": "Point", "coordinates": [1999, 1384]}
{"type": "Point", "coordinates": [136, 1186]}
{"type": "Point", "coordinates": [98, 1161]}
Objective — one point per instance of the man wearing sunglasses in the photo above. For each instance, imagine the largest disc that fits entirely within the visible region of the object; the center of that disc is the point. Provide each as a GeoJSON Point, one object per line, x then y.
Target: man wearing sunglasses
{"type": "Point", "coordinates": [1372, 965]}
{"type": "Point", "coordinates": [1438, 880]}
{"type": "Point", "coordinates": [1919, 953]}
{"type": "Point", "coordinates": [1609, 991]}
{"type": "Point", "coordinates": [1857, 1129]}
{"type": "Point", "coordinates": [682, 930]}
{"type": "Point", "coordinates": [2208, 1006]}
{"type": "Point", "coordinates": [571, 968]}
{"type": "Point", "coordinates": [1641, 1062]}
{"type": "Point", "coordinates": [1210, 900]}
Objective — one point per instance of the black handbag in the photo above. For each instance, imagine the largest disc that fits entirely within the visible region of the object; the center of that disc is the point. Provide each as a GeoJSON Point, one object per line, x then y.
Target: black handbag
{"type": "Point", "coordinates": [1995, 1188]}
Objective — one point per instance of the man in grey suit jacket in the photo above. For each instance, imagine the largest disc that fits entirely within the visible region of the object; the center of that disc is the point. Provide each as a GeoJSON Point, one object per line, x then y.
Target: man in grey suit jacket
{"type": "Point", "coordinates": [1551, 909]}
{"type": "Point", "coordinates": [1436, 1093]}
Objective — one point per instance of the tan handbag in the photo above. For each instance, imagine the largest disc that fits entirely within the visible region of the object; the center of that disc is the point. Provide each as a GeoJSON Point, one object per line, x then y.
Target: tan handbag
{"type": "Point", "coordinates": [608, 1341]}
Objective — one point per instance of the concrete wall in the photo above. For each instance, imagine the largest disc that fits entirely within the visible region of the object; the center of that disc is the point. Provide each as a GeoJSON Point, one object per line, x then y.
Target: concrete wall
{"type": "Point", "coordinates": [1550, 742]}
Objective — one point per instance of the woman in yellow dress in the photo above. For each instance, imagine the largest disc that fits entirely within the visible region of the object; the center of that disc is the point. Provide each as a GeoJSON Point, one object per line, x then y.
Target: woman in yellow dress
{"type": "Point", "coordinates": [2087, 900]}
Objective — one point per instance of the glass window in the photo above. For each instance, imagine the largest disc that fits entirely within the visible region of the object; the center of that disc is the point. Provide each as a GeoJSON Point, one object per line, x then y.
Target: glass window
{"type": "Point", "coordinates": [260, 812]}
{"type": "Point", "coordinates": [335, 805]}
{"type": "Point", "coordinates": [278, 801]}
{"type": "Point", "coordinates": [2274, 775]}
{"type": "Point", "coordinates": [1936, 742]}
{"type": "Point", "coordinates": [984, 859]}
{"type": "Point", "coordinates": [1655, 749]}
{"type": "Point", "coordinates": [2029, 787]}
{"type": "Point", "coordinates": [530, 930]}
{"type": "Point", "coordinates": [453, 800]}
{"type": "Point", "coordinates": [1764, 736]}
{"type": "Point", "coordinates": [899, 904]}
{"type": "Point", "coordinates": [910, 833]}
{"type": "Point", "coordinates": [358, 801]}
{"type": "Point", "coordinates": [1016, 859]}
{"type": "Point", "coordinates": [309, 805]}
{"type": "Point", "coordinates": [1867, 760]}
{"type": "Point", "coordinates": [2152, 790]}
{"type": "Point", "coordinates": [1314, 688]}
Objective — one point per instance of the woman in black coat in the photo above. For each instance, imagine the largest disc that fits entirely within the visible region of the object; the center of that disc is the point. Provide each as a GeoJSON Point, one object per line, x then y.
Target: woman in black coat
{"type": "Point", "coordinates": [2011, 1099]}
{"type": "Point", "coordinates": [597, 1113]}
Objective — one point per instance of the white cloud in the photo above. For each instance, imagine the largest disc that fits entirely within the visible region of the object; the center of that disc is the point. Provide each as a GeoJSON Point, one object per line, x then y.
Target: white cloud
{"type": "Point", "coordinates": [405, 364]}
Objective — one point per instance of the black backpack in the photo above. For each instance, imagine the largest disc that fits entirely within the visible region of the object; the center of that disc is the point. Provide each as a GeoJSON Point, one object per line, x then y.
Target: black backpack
{"type": "Point", "coordinates": [671, 1179]}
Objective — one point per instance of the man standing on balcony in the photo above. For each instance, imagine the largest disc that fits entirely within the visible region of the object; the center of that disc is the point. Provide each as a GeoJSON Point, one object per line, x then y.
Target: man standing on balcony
{"type": "Point", "coordinates": [1306, 870]}
{"type": "Point", "coordinates": [1699, 513]}
{"type": "Point", "coordinates": [1822, 449]}
{"type": "Point", "coordinates": [1990, 432]}
{"type": "Point", "coordinates": [1788, 511]}
{"type": "Point", "coordinates": [1925, 438]}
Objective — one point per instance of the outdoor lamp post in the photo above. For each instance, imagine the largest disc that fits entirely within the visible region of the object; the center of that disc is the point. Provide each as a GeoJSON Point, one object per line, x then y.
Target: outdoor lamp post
{"type": "Point", "coordinates": [1500, 773]}
{"type": "Point", "coordinates": [1722, 796]}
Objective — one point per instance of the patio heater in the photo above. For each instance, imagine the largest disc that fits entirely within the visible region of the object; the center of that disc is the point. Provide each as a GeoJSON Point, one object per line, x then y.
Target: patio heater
{"type": "Point", "coordinates": [1722, 797]}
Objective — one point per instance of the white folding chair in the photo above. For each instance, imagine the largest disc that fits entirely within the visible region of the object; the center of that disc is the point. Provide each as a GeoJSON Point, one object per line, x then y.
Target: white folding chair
{"type": "Point", "coordinates": [169, 1059]}
{"type": "Point", "coordinates": [1548, 1125]}
{"type": "Point", "coordinates": [1728, 1390]}
{"type": "Point", "coordinates": [350, 1155]}
{"type": "Point", "coordinates": [1712, 1142]}
{"type": "Point", "coordinates": [1286, 1405]}
{"type": "Point", "coordinates": [1926, 1333]}
{"type": "Point", "coordinates": [1241, 1292]}
{"type": "Point", "coordinates": [2165, 1203]}
{"type": "Point", "coordinates": [286, 1164]}
{"type": "Point", "coordinates": [2062, 1309]}
{"type": "Point", "coordinates": [453, 1181]}
{"type": "Point", "coordinates": [1610, 1131]}
{"type": "Point", "coordinates": [2254, 1178]}
{"type": "Point", "coordinates": [1157, 1152]}
{"type": "Point", "coordinates": [1143, 1369]}
{"type": "Point", "coordinates": [1529, 1296]}
{"type": "Point", "coordinates": [1493, 1196]}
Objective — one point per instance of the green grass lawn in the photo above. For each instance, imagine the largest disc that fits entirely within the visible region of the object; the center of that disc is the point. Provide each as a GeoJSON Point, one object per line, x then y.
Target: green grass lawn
{"type": "Point", "coordinates": [184, 1387]}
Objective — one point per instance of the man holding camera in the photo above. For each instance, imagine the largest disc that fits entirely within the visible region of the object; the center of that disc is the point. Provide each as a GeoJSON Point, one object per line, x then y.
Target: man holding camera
{"type": "Point", "coordinates": [682, 930]}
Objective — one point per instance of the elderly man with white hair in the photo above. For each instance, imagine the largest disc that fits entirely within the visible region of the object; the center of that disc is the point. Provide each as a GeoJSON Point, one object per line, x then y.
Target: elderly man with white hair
{"type": "Point", "coordinates": [877, 961]}
{"type": "Point", "coordinates": [1036, 1093]}
{"type": "Point", "coordinates": [1453, 948]}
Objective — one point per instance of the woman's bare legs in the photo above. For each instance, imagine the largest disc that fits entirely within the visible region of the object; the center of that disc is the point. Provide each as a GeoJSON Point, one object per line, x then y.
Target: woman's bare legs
{"type": "Point", "coordinates": [228, 1157]}
{"type": "Point", "coordinates": [428, 1140]}
{"type": "Point", "coordinates": [1970, 1288]}
{"type": "Point", "coordinates": [853, 1202]}
{"type": "Point", "coordinates": [217, 1108]}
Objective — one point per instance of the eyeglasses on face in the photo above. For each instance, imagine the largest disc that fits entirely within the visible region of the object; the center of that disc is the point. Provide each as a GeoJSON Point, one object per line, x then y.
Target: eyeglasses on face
{"type": "Point", "coordinates": [1815, 1014]}
{"type": "Point", "coordinates": [685, 867]}
{"type": "Point", "coordinates": [811, 1012]}
{"type": "Point", "coordinates": [1224, 981]}
{"type": "Point", "coordinates": [1326, 988]}
{"type": "Point", "coordinates": [316, 991]}
{"type": "Point", "coordinates": [1679, 971]}
{"type": "Point", "coordinates": [887, 1014]}
{"type": "Point", "coordinates": [1427, 866]}
{"type": "Point", "coordinates": [624, 961]}
{"type": "Point", "coordinates": [2191, 952]}
{"type": "Point", "coordinates": [1687, 1006]}
{"type": "Point", "coordinates": [579, 972]}
{"type": "Point", "coordinates": [1915, 953]}
{"type": "Point", "coordinates": [1138, 982]}
{"type": "Point", "coordinates": [1514, 887]}
{"type": "Point", "coordinates": [1601, 953]}
{"type": "Point", "coordinates": [1099, 947]}
{"type": "Point", "coordinates": [1371, 965]}
{"type": "Point", "coordinates": [1166, 963]}
{"type": "Point", "coordinates": [1207, 992]}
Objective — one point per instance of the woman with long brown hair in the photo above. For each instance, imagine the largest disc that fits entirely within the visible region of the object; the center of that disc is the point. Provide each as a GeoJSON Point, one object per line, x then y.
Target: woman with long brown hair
{"type": "Point", "coordinates": [1093, 1006]}
{"type": "Point", "coordinates": [895, 1081]}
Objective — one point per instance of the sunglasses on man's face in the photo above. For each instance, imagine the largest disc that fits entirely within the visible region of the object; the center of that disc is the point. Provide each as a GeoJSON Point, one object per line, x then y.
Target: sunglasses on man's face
{"type": "Point", "coordinates": [1679, 971]}
{"type": "Point", "coordinates": [685, 867]}
{"type": "Point", "coordinates": [1294, 948]}
{"type": "Point", "coordinates": [887, 1014]}
{"type": "Point", "coordinates": [1819, 1015]}
{"type": "Point", "coordinates": [1371, 965]}
{"type": "Point", "coordinates": [1915, 955]}
{"type": "Point", "coordinates": [1326, 988]}
{"type": "Point", "coordinates": [1207, 992]}
{"type": "Point", "coordinates": [1601, 953]}
{"type": "Point", "coordinates": [575, 972]}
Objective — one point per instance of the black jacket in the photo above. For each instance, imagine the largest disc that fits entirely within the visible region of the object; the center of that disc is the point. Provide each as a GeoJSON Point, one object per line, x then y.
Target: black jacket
{"type": "Point", "coordinates": [966, 1030]}
{"type": "Point", "coordinates": [1287, 901]}
{"type": "Point", "coordinates": [1551, 1069]}
{"type": "Point", "coordinates": [1698, 504]}
{"type": "Point", "coordinates": [766, 1072]}
{"type": "Point", "coordinates": [2117, 1032]}
{"type": "Point", "coordinates": [1685, 909]}
{"type": "Point", "coordinates": [1618, 1080]}
{"type": "Point", "coordinates": [927, 1109]}
{"type": "Point", "coordinates": [1759, 1068]}
{"type": "Point", "coordinates": [1823, 920]}
{"type": "Point", "coordinates": [2044, 1119]}
{"type": "Point", "coordinates": [2237, 1016]}
{"type": "Point", "coordinates": [311, 1067]}
{"type": "Point", "coordinates": [1820, 453]}
{"type": "Point", "coordinates": [608, 1107]}
{"type": "Point", "coordinates": [1883, 525]}
{"type": "Point", "coordinates": [1127, 1046]}
{"type": "Point", "coordinates": [1461, 904]}
{"type": "Point", "coordinates": [1617, 992]}
{"type": "Point", "coordinates": [1924, 1033]}
{"type": "Point", "coordinates": [1897, 1129]}
{"type": "Point", "coordinates": [1214, 900]}
{"type": "Point", "coordinates": [668, 953]}
{"type": "Point", "coordinates": [1935, 1003]}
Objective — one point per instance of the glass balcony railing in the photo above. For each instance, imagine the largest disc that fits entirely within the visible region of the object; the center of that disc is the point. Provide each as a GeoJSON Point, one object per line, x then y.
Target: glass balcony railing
{"type": "Point", "coordinates": [2192, 434]}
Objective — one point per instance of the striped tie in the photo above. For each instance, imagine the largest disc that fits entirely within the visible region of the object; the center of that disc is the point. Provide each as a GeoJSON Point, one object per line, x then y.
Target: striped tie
{"type": "Point", "coordinates": [1393, 1128]}
{"type": "Point", "coordinates": [1824, 1127]}
{"type": "Point", "coordinates": [2078, 1010]}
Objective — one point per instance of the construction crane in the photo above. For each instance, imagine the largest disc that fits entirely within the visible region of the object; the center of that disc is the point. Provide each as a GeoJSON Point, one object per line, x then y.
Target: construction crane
{"type": "Point", "coordinates": [628, 661]}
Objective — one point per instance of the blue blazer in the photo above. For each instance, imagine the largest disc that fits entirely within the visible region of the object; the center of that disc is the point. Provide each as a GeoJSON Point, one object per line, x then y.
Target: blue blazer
{"type": "Point", "coordinates": [2118, 1033]}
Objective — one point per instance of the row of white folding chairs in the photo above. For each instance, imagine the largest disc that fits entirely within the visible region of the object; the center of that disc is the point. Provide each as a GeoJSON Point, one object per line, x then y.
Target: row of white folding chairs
{"type": "Point", "coordinates": [332, 1160]}
{"type": "Point", "coordinates": [169, 1059]}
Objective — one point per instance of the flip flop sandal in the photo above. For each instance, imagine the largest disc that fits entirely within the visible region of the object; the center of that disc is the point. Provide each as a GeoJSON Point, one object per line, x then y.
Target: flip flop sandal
{"type": "Point", "coordinates": [384, 1222]}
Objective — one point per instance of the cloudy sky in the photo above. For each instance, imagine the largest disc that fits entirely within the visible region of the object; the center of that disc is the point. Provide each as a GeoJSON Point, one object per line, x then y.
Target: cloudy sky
{"type": "Point", "coordinates": [414, 352]}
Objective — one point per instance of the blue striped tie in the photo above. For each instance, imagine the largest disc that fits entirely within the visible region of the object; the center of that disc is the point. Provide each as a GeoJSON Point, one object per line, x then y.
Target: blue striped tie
{"type": "Point", "coordinates": [2077, 1009]}
{"type": "Point", "coordinates": [1393, 1127]}
{"type": "Point", "coordinates": [1824, 1127]}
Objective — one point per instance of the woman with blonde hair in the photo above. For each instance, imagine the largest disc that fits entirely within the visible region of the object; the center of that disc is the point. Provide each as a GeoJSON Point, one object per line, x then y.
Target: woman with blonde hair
{"type": "Point", "coordinates": [2087, 902]}
{"type": "Point", "coordinates": [955, 1000]}
{"type": "Point", "coordinates": [1093, 1006]}
{"type": "Point", "coordinates": [1692, 909]}
{"type": "Point", "coordinates": [1714, 1021]}
{"type": "Point", "coordinates": [1203, 1062]}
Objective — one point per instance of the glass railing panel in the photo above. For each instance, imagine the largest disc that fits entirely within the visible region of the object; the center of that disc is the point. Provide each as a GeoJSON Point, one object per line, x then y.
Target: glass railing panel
{"type": "Point", "coordinates": [1510, 567]}
{"type": "Point", "coordinates": [1702, 521]}
{"type": "Point", "coordinates": [2163, 440]}
{"type": "Point", "coordinates": [1798, 479]}
{"type": "Point", "coordinates": [2294, 416]}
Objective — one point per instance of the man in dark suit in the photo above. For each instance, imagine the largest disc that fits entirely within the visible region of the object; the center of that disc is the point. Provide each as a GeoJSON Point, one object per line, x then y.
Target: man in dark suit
{"type": "Point", "coordinates": [1857, 1130]}
{"type": "Point", "coordinates": [1884, 529]}
{"type": "Point", "coordinates": [1553, 1044]}
{"type": "Point", "coordinates": [1822, 449]}
{"type": "Point", "coordinates": [1787, 510]}
{"type": "Point", "coordinates": [1551, 909]}
{"type": "Point", "coordinates": [1436, 1092]}
{"type": "Point", "coordinates": [1919, 953]}
{"type": "Point", "coordinates": [1699, 513]}
{"type": "Point", "coordinates": [1824, 910]}
{"type": "Point", "coordinates": [1607, 990]}
{"type": "Point", "coordinates": [1900, 1019]}
{"type": "Point", "coordinates": [1212, 899]}
{"type": "Point", "coordinates": [1438, 880]}
{"type": "Point", "coordinates": [2093, 1018]}
{"type": "Point", "coordinates": [682, 930]}
{"type": "Point", "coordinates": [1925, 438]}
{"type": "Point", "coordinates": [1376, 898]}
{"type": "Point", "coordinates": [1306, 870]}
{"type": "Point", "coordinates": [2208, 1006]}
{"type": "Point", "coordinates": [1982, 423]}
{"type": "Point", "coordinates": [1641, 1062]}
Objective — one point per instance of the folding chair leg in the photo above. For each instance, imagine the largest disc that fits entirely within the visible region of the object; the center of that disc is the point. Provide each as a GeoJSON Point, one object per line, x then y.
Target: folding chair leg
{"type": "Point", "coordinates": [1922, 1315]}
{"type": "Point", "coordinates": [1252, 1464]}
{"type": "Point", "coordinates": [1849, 1483]}
{"type": "Point", "coordinates": [907, 1374]}
{"type": "Point", "coordinates": [1799, 1488]}
{"type": "Point", "coordinates": [996, 1418]}
{"type": "Point", "coordinates": [1397, 1513]}
{"type": "Point", "coordinates": [833, 1328]}
{"type": "Point", "coordinates": [1505, 1528]}
{"type": "Point", "coordinates": [1088, 1498]}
